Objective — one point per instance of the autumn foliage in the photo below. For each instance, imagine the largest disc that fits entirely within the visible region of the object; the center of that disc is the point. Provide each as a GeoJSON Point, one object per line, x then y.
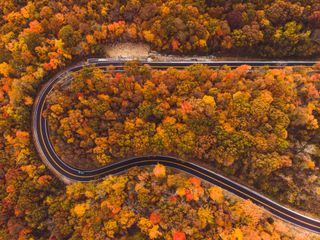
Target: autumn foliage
{"type": "Point", "coordinates": [246, 122]}
{"type": "Point", "coordinates": [265, 132]}
{"type": "Point", "coordinates": [144, 211]}
{"type": "Point", "coordinates": [52, 32]}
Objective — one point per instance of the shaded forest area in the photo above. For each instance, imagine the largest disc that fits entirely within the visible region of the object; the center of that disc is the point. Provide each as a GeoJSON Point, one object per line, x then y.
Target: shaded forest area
{"type": "Point", "coordinates": [258, 125]}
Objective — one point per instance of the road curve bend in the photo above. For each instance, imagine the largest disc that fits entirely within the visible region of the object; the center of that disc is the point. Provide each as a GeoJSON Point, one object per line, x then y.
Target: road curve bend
{"type": "Point", "coordinates": [70, 174]}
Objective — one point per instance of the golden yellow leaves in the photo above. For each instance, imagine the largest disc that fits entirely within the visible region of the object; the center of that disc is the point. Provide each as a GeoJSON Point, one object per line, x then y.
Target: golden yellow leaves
{"type": "Point", "coordinates": [25, 12]}
{"type": "Point", "coordinates": [75, 190]}
{"type": "Point", "coordinates": [104, 10]}
{"type": "Point", "coordinates": [205, 215]}
{"type": "Point", "coordinates": [216, 194]}
{"type": "Point", "coordinates": [202, 43]}
{"type": "Point", "coordinates": [89, 194]}
{"type": "Point", "coordinates": [195, 193]}
{"type": "Point", "coordinates": [209, 100]}
{"type": "Point", "coordinates": [80, 209]}
{"type": "Point", "coordinates": [159, 171]}
{"type": "Point", "coordinates": [103, 159]}
{"type": "Point", "coordinates": [56, 108]}
{"type": "Point", "coordinates": [126, 217]}
{"type": "Point", "coordinates": [237, 234]}
{"type": "Point", "coordinates": [144, 224]}
{"type": "Point", "coordinates": [169, 121]}
{"type": "Point", "coordinates": [148, 36]}
{"type": "Point", "coordinates": [120, 184]}
{"type": "Point", "coordinates": [154, 233]}
{"type": "Point", "coordinates": [209, 105]}
{"type": "Point", "coordinates": [5, 69]}
{"type": "Point", "coordinates": [58, 43]}
{"type": "Point", "coordinates": [181, 191]}
{"type": "Point", "coordinates": [148, 228]}
{"type": "Point", "coordinates": [110, 227]}
{"type": "Point", "coordinates": [308, 163]}
{"type": "Point", "coordinates": [164, 10]}
{"type": "Point", "coordinates": [29, 169]}
{"type": "Point", "coordinates": [70, 140]}
{"type": "Point", "coordinates": [261, 105]}
{"type": "Point", "coordinates": [129, 125]}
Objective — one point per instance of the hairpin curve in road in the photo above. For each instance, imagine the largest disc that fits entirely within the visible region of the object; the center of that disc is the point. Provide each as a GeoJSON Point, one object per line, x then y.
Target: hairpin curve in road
{"type": "Point", "coordinates": [69, 174]}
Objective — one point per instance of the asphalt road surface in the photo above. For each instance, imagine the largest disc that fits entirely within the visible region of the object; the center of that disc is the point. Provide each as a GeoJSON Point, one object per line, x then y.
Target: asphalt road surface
{"type": "Point", "coordinates": [69, 174]}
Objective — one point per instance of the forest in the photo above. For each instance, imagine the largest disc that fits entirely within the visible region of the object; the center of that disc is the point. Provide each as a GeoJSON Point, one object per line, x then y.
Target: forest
{"type": "Point", "coordinates": [50, 31]}
{"type": "Point", "coordinates": [148, 204]}
{"type": "Point", "coordinates": [39, 38]}
{"type": "Point", "coordinates": [256, 125]}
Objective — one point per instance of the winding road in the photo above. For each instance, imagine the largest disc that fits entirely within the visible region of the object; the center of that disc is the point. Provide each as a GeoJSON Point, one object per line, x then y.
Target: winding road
{"type": "Point", "coordinates": [70, 174]}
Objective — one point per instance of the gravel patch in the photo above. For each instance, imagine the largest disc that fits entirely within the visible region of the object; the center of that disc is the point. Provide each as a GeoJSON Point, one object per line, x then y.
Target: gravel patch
{"type": "Point", "coordinates": [128, 50]}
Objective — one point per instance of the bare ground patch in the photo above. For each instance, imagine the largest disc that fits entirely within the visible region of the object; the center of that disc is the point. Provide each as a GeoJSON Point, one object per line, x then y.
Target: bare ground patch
{"type": "Point", "coordinates": [128, 50]}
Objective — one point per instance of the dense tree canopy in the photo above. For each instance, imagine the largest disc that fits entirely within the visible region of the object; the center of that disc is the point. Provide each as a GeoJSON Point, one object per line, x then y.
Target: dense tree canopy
{"type": "Point", "coordinates": [270, 28]}
{"type": "Point", "coordinates": [258, 125]}
{"type": "Point", "coordinates": [146, 204]}
{"type": "Point", "coordinates": [37, 38]}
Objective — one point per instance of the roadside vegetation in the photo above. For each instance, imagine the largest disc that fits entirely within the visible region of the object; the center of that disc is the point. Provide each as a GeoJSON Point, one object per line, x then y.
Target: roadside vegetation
{"type": "Point", "coordinates": [156, 204]}
{"type": "Point", "coordinates": [162, 204]}
{"type": "Point", "coordinates": [38, 38]}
